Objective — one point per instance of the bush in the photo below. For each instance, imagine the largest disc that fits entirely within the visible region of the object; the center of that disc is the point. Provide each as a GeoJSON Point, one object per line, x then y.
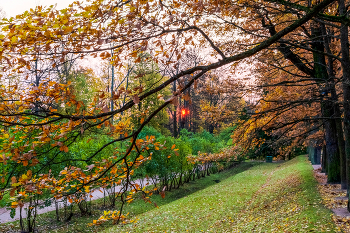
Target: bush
{"type": "Point", "coordinates": [165, 162]}
{"type": "Point", "coordinates": [4, 200]}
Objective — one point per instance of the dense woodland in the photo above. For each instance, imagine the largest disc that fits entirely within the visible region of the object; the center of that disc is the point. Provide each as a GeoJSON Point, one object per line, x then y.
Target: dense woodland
{"type": "Point", "coordinates": [105, 93]}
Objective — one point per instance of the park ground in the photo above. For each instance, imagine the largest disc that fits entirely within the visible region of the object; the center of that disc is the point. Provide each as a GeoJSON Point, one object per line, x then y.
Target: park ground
{"type": "Point", "coordinates": [252, 197]}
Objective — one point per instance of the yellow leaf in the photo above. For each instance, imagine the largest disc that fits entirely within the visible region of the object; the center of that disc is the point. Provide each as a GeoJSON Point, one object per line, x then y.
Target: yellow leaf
{"type": "Point", "coordinates": [63, 172]}
{"type": "Point", "coordinates": [14, 39]}
{"type": "Point", "coordinates": [106, 212]}
{"type": "Point", "coordinates": [15, 203]}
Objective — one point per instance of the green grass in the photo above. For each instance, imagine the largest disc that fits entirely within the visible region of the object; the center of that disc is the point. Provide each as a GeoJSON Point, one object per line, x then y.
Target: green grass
{"type": "Point", "coordinates": [253, 197]}
{"type": "Point", "coordinates": [79, 223]}
{"type": "Point", "coordinates": [266, 198]}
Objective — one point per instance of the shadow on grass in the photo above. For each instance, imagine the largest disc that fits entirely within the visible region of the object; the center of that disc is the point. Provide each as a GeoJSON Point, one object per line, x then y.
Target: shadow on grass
{"type": "Point", "coordinates": [205, 182]}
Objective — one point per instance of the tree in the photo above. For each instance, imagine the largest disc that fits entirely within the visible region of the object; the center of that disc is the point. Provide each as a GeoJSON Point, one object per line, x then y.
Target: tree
{"type": "Point", "coordinates": [299, 54]}
{"type": "Point", "coordinates": [40, 140]}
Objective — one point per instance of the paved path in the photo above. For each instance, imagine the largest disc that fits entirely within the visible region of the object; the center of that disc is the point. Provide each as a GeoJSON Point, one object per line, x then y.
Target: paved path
{"type": "Point", "coordinates": [5, 214]}
{"type": "Point", "coordinates": [339, 212]}
{"type": "Point", "coordinates": [96, 194]}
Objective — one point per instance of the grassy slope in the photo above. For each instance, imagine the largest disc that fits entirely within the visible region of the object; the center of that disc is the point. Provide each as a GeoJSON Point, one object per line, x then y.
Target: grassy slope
{"type": "Point", "coordinates": [79, 223]}
{"type": "Point", "coordinates": [266, 198]}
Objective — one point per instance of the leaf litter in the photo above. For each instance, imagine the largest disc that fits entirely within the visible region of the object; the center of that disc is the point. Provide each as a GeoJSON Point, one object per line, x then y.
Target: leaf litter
{"type": "Point", "coordinates": [331, 197]}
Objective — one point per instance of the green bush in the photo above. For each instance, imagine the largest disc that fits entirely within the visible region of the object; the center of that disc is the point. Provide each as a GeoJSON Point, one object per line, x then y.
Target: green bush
{"type": "Point", "coordinates": [5, 200]}
{"type": "Point", "coordinates": [166, 162]}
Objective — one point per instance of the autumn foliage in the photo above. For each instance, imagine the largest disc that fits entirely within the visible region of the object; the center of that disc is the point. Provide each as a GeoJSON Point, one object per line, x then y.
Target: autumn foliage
{"type": "Point", "coordinates": [53, 102]}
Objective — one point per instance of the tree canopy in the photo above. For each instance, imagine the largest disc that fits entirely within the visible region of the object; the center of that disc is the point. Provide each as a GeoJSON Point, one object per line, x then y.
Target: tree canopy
{"type": "Point", "coordinates": [48, 106]}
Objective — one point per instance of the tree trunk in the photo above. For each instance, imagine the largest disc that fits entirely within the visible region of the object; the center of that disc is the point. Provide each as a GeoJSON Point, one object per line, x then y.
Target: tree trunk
{"type": "Point", "coordinates": [337, 113]}
{"type": "Point", "coordinates": [112, 90]}
{"type": "Point", "coordinates": [345, 63]}
{"type": "Point", "coordinates": [56, 207]}
{"type": "Point", "coordinates": [21, 219]}
{"type": "Point", "coordinates": [327, 107]}
{"type": "Point", "coordinates": [175, 112]}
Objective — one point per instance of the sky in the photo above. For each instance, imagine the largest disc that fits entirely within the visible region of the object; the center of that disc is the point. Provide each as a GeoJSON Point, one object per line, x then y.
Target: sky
{"type": "Point", "coordinates": [15, 7]}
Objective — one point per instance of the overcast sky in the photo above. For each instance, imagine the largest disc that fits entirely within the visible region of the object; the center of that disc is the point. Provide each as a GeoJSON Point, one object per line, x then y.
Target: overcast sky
{"type": "Point", "coordinates": [15, 7]}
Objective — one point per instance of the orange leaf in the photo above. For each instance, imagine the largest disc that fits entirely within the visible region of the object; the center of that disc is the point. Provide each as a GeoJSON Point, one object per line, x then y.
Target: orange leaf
{"type": "Point", "coordinates": [136, 99]}
{"type": "Point", "coordinates": [173, 147]}
{"type": "Point", "coordinates": [34, 162]}
{"type": "Point", "coordinates": [13, 192]}
{"type": "Point", "coordinates": [186, 97]}
{"type": "Point", "coordinates": [105, 109]}
{"type": "Point", "coordinates": [29, 174]}
{"type": "Point", "coordinates": [174, 101]}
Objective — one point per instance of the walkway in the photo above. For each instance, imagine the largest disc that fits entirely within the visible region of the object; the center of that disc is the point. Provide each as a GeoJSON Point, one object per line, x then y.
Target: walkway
{"type": "Point", "coordinates": [96, 194]}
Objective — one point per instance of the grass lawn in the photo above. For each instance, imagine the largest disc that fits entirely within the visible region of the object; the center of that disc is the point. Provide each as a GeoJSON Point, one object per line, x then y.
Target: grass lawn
{"type": "Point", "coordinates": [47, 222]}
{"type": "Point", "coordinates": [253, 197]}
{"type": "Point", "coordinates": [266, 198]}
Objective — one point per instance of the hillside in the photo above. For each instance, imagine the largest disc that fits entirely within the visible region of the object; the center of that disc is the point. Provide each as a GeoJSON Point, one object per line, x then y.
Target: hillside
{"type": "Point", "coordinates": [266, 198]}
